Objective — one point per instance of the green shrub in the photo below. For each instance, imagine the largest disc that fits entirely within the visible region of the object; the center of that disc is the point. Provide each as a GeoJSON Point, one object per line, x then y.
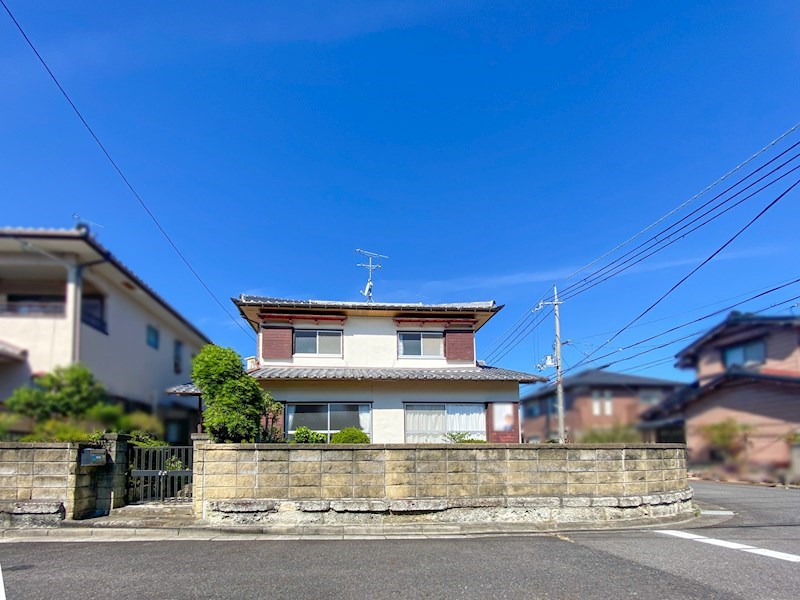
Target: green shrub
{"type": "Point", "coordinates": [350, 435]}
{"type": "Point", "coordinates": [457, 437]}
{"type": "Point", "coordinates": [65, 392]}
{"type": "Point", "coordinates": [144, 439]}
{"type": "Point", "coordinates": [616, 434]}
{"type": "Point", "coordinates": [304, 435]}
{"type": "Point", "coordinates": [56, 430]}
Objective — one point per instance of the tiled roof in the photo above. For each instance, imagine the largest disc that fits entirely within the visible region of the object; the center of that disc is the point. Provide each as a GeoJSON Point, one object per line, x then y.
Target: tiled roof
{"type": "Point", "coordinates": [484, 306]}
{"type": "Point", "coordinates": [676, 402]}
{"type": "Point", "coordinates": [600, 377]}
{"type": "Point", "coordinates": [481, 373]}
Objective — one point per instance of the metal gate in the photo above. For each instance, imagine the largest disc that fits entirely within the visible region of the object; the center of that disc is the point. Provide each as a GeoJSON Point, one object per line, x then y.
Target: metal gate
{"type": "Point", "coordinates": [159, 473]}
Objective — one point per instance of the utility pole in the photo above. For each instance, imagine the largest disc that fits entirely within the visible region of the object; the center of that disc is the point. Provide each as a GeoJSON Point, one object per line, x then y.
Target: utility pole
{"type": "Point", "coordinates": [548, 363]}
{"type": "Point", "coordinates": [559, 379]}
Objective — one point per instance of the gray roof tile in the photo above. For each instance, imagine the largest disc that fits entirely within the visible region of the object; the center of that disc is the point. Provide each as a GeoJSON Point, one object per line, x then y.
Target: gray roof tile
{"type": "Point", "coordinates": [480, 373]}
{"type": "Point", "coordinates": [484, 306]}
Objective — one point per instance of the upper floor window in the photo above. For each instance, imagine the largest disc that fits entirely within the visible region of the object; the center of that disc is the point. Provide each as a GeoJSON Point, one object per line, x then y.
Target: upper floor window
{"type": "Point", "coordinates": [152, 337]}
{"type": "Point", "coordinates": [313, 341]}
{"type": "Point", "coordinates": [421, 344]}
{"type": "Point", "coordinates": [533, 409]}
{"type": "Point", "coordinates": [650, 396]}
{"type": "Point", "coordinates": [745, 355]}
{"type": "Point", "coordinates": [93, 312]}
{"type": "Point", "coordinates": [177, 357]}
{"type": "Point", "coordinates": [601, 403]}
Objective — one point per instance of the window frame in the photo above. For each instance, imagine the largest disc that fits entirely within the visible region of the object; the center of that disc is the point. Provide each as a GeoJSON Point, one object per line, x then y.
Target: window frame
{"type": "Point", "coordinates": [317, 332]}
{"type": "Point", "coordinates": [421, 355]}
{"type": "Point", "coordinates": [157, 337]}
{"type": "Point", "coordinates": [761, 342]}
{"type": "Point", "coordinates": [327, 432]}
{"type": "Point", "coordinates": [177, 356]}
{"type": "Point", "coordinates": [484, 434]}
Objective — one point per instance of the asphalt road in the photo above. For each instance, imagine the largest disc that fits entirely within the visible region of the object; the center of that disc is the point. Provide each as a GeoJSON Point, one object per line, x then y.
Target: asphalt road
{"type": "Point", "coordinates": [756, 559]}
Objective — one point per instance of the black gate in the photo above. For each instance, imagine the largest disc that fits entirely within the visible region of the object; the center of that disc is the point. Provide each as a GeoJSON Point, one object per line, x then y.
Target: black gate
{"type": "Point", "coordinates": [159, 473]}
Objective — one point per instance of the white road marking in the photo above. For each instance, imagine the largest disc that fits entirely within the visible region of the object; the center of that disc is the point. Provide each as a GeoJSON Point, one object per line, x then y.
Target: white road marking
{"type": "Point", "coordinates": [718, 513]}
{"type": "Point", "coordinates": [774, 554]}
{"type": "Point", "coordinates": [2, 586]}
{"type": "Point", "coordinates": [680, 534]}
{"type": "Point", "coordinates": [725, 544]}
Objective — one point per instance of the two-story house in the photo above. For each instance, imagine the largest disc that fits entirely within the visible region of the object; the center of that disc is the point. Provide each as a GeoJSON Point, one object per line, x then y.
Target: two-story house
{"type": "Point", "coordinates": [593, 399]}
{"type": "Point", "coordinates": [64, 298]}
{"type": "Point", "coordinates": [403, 373]}
{"type": "Point", "coordinates": [747, 368]}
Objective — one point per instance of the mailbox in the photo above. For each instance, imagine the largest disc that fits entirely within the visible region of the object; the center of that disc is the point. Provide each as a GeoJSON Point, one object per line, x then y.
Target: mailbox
{"type": "Point", "coordinates": [93, 457]}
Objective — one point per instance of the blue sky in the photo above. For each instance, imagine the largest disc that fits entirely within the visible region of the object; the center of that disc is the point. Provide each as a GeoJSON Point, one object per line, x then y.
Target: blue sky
{"type": "Point", "coordinates": [489, 148]}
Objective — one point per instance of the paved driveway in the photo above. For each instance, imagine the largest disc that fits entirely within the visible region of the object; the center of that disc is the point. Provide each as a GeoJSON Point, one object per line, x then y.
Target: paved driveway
{"type": "Point", "coordinates": [754, 554]}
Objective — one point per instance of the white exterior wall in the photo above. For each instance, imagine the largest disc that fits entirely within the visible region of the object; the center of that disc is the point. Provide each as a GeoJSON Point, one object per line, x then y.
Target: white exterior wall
{"type": "Point", "coordinates": [367, 342]}
{"type": "Point", "coordinates": [48, 340]}
{"type": "Point", "coordinates": [122, 360]}
{"type": "Point", "coordinates": [387, 398]}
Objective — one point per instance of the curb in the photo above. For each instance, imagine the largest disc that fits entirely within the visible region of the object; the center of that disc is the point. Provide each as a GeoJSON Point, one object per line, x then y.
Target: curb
{"type": "Point", "coordinates": [322, 532]}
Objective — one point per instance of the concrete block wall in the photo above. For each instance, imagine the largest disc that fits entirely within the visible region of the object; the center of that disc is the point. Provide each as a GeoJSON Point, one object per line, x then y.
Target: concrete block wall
{"type": "Point", "coordinates": [47, 479]}
{"type": "Point", "coordinates": [450, 471]}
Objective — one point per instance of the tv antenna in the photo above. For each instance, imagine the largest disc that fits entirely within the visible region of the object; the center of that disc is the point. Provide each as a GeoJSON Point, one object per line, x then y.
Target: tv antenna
{"type": "Point", "coordinates": [370, 266]}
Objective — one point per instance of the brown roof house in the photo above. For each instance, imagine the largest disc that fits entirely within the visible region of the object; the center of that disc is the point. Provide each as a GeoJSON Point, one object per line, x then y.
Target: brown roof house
{"type": "Point", "coordinates": [593, 399]}
{"type": "Point", "coordinates": [402, 373]}
{"type": "Point", "coordinates": [747, 369]}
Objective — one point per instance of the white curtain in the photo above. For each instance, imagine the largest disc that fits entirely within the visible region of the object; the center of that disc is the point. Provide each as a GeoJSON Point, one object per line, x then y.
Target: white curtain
{"type": "Point", "coordinates": [363, 417]}
{"type": "Point", "coordinates": [289, 417]}
{"type": "Point", "coordinates": [467, 418]}
{"type": "Point", "coordinates": [425, 423]}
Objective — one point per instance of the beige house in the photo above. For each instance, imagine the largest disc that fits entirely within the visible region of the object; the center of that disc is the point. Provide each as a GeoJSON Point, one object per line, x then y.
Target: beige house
{"type": "Point", "coordinates": [400, 372]}
{"type": "Point", "coordinates": [593, 399]}
{"type": "Point", "coordinates": [748, 369]}
{"type": "Point", "coordinates": [64, 298]}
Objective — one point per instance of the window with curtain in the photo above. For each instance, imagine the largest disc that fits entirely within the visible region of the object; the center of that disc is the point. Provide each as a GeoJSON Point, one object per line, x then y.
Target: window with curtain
{"type": "Point", "coordinates": [328, 418]}
{"type": "Point", "coordinates": [745, 355]}
{"type": "Point", "coordinates": [430, 423]}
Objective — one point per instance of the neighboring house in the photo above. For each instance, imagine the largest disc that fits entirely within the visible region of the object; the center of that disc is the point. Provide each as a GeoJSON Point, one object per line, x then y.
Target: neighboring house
{"type": "Point", "coordinates": [748, 369]}
{"type": "Point", "coordinates": [593, 399]}
{"type": "Point", "coordinates": [64, 299]}
{"type": "Point", "coordinates": [400, 372]}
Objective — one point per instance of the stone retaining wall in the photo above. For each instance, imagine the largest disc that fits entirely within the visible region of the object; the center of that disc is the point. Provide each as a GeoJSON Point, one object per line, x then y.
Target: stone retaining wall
{"type": "Point", "coordinates": [252, 483]}
{"type": "Point", "coordinates": [43, 483]}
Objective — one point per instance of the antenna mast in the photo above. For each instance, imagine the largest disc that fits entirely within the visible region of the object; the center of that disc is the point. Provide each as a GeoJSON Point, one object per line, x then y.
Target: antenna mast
{"type": "Point", "coordinates": [367, 292]}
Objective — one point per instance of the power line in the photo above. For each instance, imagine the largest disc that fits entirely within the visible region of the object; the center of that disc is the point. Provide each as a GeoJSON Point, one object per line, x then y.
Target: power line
{"type": "Point", "coordinates": [698, 267]}
{"type": "Point", "coordinates": [122, 175]}
{"type": "Point", "coordinates": [687, 202]}
{"type": "Point", "coordinates": [680, 339]}
{"type": "Point", "coordinates": [697, 320]}
{"type": "Point", "coordinates": [770, 288]}
{"type": "Point", "coordinates": [588, 283]}
{"type": "Point", "coordinates": [499, 343]}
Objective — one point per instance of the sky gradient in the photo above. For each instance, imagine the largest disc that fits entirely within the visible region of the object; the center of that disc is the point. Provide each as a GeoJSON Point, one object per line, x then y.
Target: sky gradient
{"type": "Point", "coordinates": [489, 149]}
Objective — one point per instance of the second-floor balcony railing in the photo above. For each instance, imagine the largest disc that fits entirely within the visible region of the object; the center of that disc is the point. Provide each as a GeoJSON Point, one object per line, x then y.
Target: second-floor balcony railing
{"type": "Point", "coordinates": [32, 308]}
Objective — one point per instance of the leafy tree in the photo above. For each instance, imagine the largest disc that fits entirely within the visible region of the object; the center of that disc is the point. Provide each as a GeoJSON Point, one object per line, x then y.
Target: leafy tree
{"type": "Point", "coordinates": [728, 437]}
{"type": "Point", "coordinates": [234, 401]}
{"type": "Point", "coordinates": [271, 412]}
{"type": "Point", "coordinates": [65, 392]}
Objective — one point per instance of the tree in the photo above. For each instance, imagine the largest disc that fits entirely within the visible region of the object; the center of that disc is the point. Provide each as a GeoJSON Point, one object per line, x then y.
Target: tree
{"type": "Point", "coordinates": [271, 411]}
{"type": "Point", "coordinates": [728, 437]}
{"type": "Point", "coordinates": [234, 401]}
{"type": "Point", "coordinates": [65, 392]}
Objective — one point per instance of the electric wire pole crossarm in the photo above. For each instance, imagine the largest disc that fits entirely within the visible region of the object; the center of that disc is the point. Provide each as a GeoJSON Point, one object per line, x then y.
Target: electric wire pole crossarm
{"type": "Point", "coordinates": [557, 349]}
